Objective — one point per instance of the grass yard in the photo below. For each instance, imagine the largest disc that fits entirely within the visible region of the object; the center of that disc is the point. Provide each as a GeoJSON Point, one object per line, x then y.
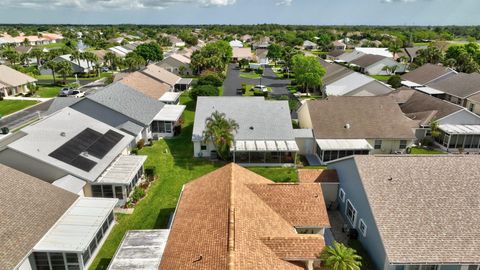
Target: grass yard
{"type": "Point", "coordinates": [250, 75]}
{"type": "Point", "coordinates": [48, 90]}
{"type": "Point", "coordinates": [220, 91]}
{"type": "Point", "coordinates": [249, 92]}
{"type": "Point", "coordinates": [277, 174]}
{"type": "Point", "coordinates": [382, 78]}
{"type": "Point", "coordinates": [424, 151]}
{"type": "Point", "coordinates": [10, 106]}
{"type": "Point", "coordinates": [59, 78]}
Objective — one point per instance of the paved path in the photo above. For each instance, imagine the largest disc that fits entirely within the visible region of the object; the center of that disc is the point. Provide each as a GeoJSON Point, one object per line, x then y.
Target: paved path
{"type": "Point", "coordinates": [23, 117]}
{"type": "Point", "coordinates": [27, 98]}
{"type": "Point", "coordinates": [269, 79]}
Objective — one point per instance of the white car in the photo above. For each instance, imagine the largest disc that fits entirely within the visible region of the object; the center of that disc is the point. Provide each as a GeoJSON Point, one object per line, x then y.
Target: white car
{"type": "Point", "coordinates": [260, 87]}
{"type": "Point", "coordinates": [77, 93]}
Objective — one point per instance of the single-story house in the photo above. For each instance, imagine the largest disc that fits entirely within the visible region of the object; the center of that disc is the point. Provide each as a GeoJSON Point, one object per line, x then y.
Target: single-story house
{"type": "Point", "coordinates": [23, 49]}
{"type": "Point", "coordinates": [90, 151]}
{"type": "Point", "coordinates": [78, 66]}
{"type": "Point", "coordinates": [375, 51]}
{"type": "Point", "coordinates": [339, 45]}
{"type": "Point", "coordinates": [263, 43]}
{"type": "Point", "coordinates": [177, 64]}
{"type": "Point", "coordinates": [473, 103]}
{"type": "Point", "coordinates": [413, 212]}
{"type": "Point", "coordinates": [334, 71]}
{"type": "Point", "coordinates": [246, 38]}
{"type": "Point", "coordinates": [333, 55]}
{"type": "Point", "coordinates": [261, 56]}
{"type": "Point", "coordinates": [177, 83]}
{"type": "Point", "coordinates": [309, 45]}
{"type": "Point", "coordinates": [458, 88]}
{"type": "Point", "coordinates": [426, 74]}
{"type": "Point", "coordinates": [46, 226]}
{"type": "Point", "coordinates": [356, 84]}
{"type": "Point", "coordinates": [243, 215]}
{"type": "Point", "coordinates": [120, 51]}
{"type": "Point", "coordinates": [236, 43]}
{"type": "Point", "coordinates": [13, 82]}
{"type": "Point", "coordinates": [344, 126]}
{"type": "Point", "coordinates": [171, 98]}
{"type": "Point", "coordinates": [349, 56]}
{"type": "Point", "coordinates": [242, 53]}
{"type": "Point", "coordinates": [144, 84]}
{"type": "Point", "coordinates": [265, 135]}
{"type": "Point", "coordinates": [411, 52]}
{"type": "Point", "coordinates": [371, 64]}
{"type": "Point", "coordinates": [459, 128]}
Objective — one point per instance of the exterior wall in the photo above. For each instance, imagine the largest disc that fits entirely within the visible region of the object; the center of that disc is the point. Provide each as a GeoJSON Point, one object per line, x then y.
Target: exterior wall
{"type": "Point", "coordinates": [25, 265]}
{"type": "Point", "coordinates": [197, 152]}
{"type": "Point", "coordinates": [330, 192]}
{"type": "Point", "coordinates": [304, 119]}
{"type": "Point", "coordinates": [31, 166]}
{"type": "Point", "coordinates": [388, 146]}
{"type": "Point", "coordinates": [306, 146]}
{"type": "Point", "coordinates": [173, 66]}
{"type": "Point", "coordinates": [350, 182]}
{"type": "Point", "coordinates": [473, 106]}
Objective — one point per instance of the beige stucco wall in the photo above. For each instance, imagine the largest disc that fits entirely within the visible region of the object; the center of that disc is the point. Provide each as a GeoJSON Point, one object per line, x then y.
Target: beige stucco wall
{"type": "Point", "coordinates": [304, 119]}
{"type": "Point", "coordinates": [388, 146]}
{"type": "Point", "coordinates": [197, 152]}
{"type": "Point", "coordinates": [476, 106]}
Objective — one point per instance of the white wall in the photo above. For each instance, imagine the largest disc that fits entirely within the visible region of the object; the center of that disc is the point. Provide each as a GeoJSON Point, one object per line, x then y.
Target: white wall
{"type": "Point", "coordinates": [388, 146]}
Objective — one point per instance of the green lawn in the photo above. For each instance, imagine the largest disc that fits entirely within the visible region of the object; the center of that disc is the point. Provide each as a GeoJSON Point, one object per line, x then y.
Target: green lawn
{"type": "Point", "coordinates": [60, 78]}
{"type": "Point", "coordinates": [423, 151]}
{"type": "Point", "coordinates": [250, 92]}
{"type": "Point", "coordinates": [10, 106]}
{"type": "Point", "coordinates": [220, 91]}
{"type": "Point", "coordinates": [383, 78]}
{"type": "Point", "coordinates": [48, 90]}
{"type": "Point", "coordinates": [250, 75]}
{"type": "Point", "coordinates": [277, 174]}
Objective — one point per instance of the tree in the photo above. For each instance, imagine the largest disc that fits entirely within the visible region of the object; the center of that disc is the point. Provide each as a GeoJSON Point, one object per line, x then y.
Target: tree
{"type": "Point", "coordinates": [243, 62]}
{"type": "Point", "coordinates": [308, 71]}
{"type": "Point", "coordinates": [112, 60]}
{"type": "Point", "coordinates": [76, 56]}
{"type": "Point", "coordinates": [434, 129]}
{"type": "Point", "coordinates": [395, 49]}
{"type": "Point", "coordinates": [214, 56]}
{"type": "Point", "coordinates": [432, 55]}
{"type": "Point", "coordinates": [395, 81]}
{"type": "Point", "coordinates": [275, 52]}
{"type": "Point", "coordinates": [341, 257]}
{"type": "Point", "coordinates": [64, 68]}
{"type": "Point", "coordinates": [12, 56]}
{"type": "Point", "coordinates": [210, 79]}
{"type": "Point", "coordinates": [220, 132]}
{"type": "Point", "coordinates": [150, 52]}
{"type": "Point", "coordinates": [203, 90]}
{"type": "Point", "coordinates": [134, 61]}
{"type": "Point", "coordinates": [52, 65]}
{"type": "Point", "coordinates": [37, 54]}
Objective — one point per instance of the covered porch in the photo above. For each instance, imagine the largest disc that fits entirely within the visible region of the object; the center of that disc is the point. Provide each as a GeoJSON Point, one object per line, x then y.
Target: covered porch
{"type": "Point", "coordinates": [167, 123]}
{"type": "Point", "coordinates": [459, 138]}
{"type": "Point", "coordinates": [264, 153]}
{"type": "Point", "coordinates": [332, 149]}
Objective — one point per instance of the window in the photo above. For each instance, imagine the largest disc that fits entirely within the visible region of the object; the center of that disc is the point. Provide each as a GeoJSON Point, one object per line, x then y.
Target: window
{"type": "Point", "coordinates": [421, 267]}
{"type": "Point", "coordinates": [119, 192]}
{"type": "Point", "coordinates": [403, 144]}
{"type": "Point", "coordinates": [110, 218]}
{"type": "Point", "coordinates": [86, 256]}
{"type": "Point", "coordinates": [41, 260]}
{"type": "Point", "coordinates": [97, 191]}
{"type": "Point", "coordinates": [203, 147]}
{"type": "Point", "coordinates": [108, 191]}
{"type": "Point", "coordinates": [341, 195]}
{"type": "Point", "coordinates": [105, 226]}
{"type": "Point", "coordinates": [99, 235]}
{"type": "Point", "coordinates": [473, 267]}
{"type": "Point", "coordinates": [351, 213]}
{"type": "Point", "coordinates": [93, 245]}
{"type": "Point", "coordinates": [362, 227]}
{"type": "Point", "coordinates": [56, 259]}
{"type": "Point", "coordinates": [378, 144]}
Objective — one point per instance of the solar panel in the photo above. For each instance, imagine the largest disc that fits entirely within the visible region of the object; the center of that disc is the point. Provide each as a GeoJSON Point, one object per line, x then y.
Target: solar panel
{"type": "Point", "coordinates": [104, 144]}
{"type": "Point", "coordinates": [82, 163]}
{"type": "Point", "coordinates": [74, 147]}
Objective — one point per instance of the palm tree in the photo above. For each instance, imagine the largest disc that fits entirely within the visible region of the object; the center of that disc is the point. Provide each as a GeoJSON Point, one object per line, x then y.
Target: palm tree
{"type": "Point", "coordinates": [395, 49]}
{"type": "Point", "coordinates": [111, 59]}
{"type": "Point", "coordinates": [220, 131]}
{"type": "Point", "coordinates": [76, 56]}
{"type": "Point", "coordinates": [52, 65]}
{"type": "Point", "coordinates": [341, 257]}
{"type": "Point", "coordinates": [64, 68]}
{"type": "Point", "coordinates": [37, 54]}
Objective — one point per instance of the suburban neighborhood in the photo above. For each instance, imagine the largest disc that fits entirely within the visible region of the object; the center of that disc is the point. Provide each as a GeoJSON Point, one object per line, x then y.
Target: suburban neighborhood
{"type": "Point", "coordinates": [239, 146]}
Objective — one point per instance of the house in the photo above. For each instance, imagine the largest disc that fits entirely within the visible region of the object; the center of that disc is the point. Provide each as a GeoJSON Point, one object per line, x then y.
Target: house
{"type": "Point", "coordinates": [349, 56]}
{"type": "Point", "coordinates": [308, 45]}
{"type": "Point", "coordinates": [344, 126]}
{"type": "Point", "coordinates": [177, 64]}
{"type": "Point", "coordinates": [176, 42]}
{"type": "Point", "coordinates": [90, 151]}
{"type": "Point", "coordinates": [333, 55]}
{"type": "Point", "coordinates": [33, 40]}
{"type": "Point", "coordinates": [176, 83]}
{"type": "Point", "coordinates": [339, 45]}
{"type": "Point", "coordinates": [426, 74]}
{"type": "Point", "coordinates": [241, 53]}
{"type": "Point", "coordinates": [356, 84]}
{"type": "Point", "coordinates": [120, 51]}
{"type": "Point", "coordinates": [459, 128]}
{"type": "Point", "coordinates": [242, 216]}
{"type": "Point", "coordinates": [375, 51]}
{"type": "Point", "coordinates": [473, 103]}
{"type": "Point", "coordinates": [407, 209]}
{"type": "Point", "coordinates": [13, 82]}
{"type": "Point", "coordinates": [458, 88]}
{"type": "Point", "coordinates": [144, 84]}
{"type": "Point", "coordinates": [246, 38]}
{"type": "Point", "coordinates": [45, 226]}
{"type": "Point", "coordinates": [265, 135]}
{"type": "Point", "coordinates": [236, 43]}
{"type": "Point", "coordinates": [78, 66]}
{"type": "Point", "coordinates": [411, 52]}
{"type": "Point", "coordinates": [263, 43]}
{"type": "Point", "coordinates": [23, 49]}
{"type": "Point", "coordinates": [262, 56]}
{"type": "Point", "coordinates": [327, 179]}
{"type": "Point", "coordinates": [334, 71]}
{"type": "Point", "coordinates": [371, 64]}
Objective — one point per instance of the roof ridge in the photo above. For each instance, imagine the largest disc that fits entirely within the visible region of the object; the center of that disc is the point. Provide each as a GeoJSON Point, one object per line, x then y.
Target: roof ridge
{"type": "Point", "coordinates": [231, 220]}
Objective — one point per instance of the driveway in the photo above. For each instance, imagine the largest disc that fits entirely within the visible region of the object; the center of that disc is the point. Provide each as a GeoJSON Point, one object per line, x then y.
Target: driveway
{"type": "Point", "coordinates": [21, 118]}
{"type": "Point", "coordinates": [269, 79]}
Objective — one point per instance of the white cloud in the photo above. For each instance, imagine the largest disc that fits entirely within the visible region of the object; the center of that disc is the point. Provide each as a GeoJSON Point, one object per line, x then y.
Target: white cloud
{"type": "Point", "coordinates": [111, 4]}
{"type": "Point", "coordinates": [284, 3]}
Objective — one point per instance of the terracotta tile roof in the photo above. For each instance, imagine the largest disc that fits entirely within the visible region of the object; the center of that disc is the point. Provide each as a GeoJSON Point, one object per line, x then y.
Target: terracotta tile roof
{"type": "Point", "coordinates": [298, 248]}
{"type": "Point", "coordinates": [145, 84]}
{"type": "Point", "coordinates": [29, 208]}
{"type": "Point", "coordinates": [317, 176]}
{"type": "Point", "coordinates": [220, 223]}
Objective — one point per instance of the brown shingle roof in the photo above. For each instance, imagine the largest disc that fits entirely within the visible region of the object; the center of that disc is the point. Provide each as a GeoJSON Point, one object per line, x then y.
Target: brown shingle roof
{"type": "Point", "coordinates": [298, 248]}
{"type": "Point", "coordinates": [335, 72]}
{"type": "Point", "coordinates": [426, 208]}
{"type": "Point", "coordinates": [161, 74]}
{"type": "Point", "coordinates": [461, 85]}
{"type": "Point", "coordinates": [367, 60]}
{"type": "Point", "coordinates": [29, 208]}
{"type": "Point", "coordinates": [421, 103]}
{"type": "Point", "coordinates": [368, 117]}
{"type": "Point", "coordinates": [220, 223]}
{"type": "Point", "coordinates": [317, 176]}
{"type": "Point", "coordinates": [145, 84]}
{"type": "Point", "coordinates": [475, 97]}
{"type": "Point", "coordinates": [426, 73]}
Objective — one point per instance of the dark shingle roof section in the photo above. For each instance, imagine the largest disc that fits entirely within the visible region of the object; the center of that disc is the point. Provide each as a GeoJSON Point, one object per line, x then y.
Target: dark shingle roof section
{"type": "Point", "coordinates": [368, 118]}
{"type": "Point", "coordinates": [426, 208]}
{"type": "Point", "coordinates": [335, 72]}
{"type": "Point", "coordinates": [29, 208]}
{"type": "Point", "coordinates": [461, 85]}
{"type": "Point", "coordinates": [128, 101]}
{"type": "Point", "coordinates": [420, 103]}
{"type": "Point", "coordinates": [367, 60]}
{"type": "Point", "coordinates": [426, 73]}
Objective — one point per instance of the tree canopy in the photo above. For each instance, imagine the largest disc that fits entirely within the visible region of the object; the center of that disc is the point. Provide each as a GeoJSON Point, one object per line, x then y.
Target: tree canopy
{"type": "Point", "coordinates": [220, 131]}
{"type": "Point", "coordinates": [150, 52]}
{"type": "Point", "coordinates": [214, 56]}
{"type": "Point", "coordinates": [308, 71]}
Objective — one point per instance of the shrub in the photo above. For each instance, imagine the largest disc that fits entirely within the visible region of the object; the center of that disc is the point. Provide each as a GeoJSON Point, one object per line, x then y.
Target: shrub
{"type": "Point", "coordinates": [134, 151]}
{"type": "Point", "coordinates": [259, 71]}
{"type": "Point", "coordinates": [140, 144]}
{"type": "Point", "coordinates": [203, 90]}
{"type": "Point", "coordinates": [210, 79]}
{"type": "Point", "coordinates": [150, 171]}
{"type": "Point", "coordinates": [395, 81]}
{"type": "Point", "coordinates": [137, 194]}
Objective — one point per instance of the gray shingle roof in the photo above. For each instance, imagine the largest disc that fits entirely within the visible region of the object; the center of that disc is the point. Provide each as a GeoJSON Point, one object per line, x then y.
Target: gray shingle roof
{"type": "Point", "coordinates": [426, 73]}
{"type": "Point", "coordinates": [29, 208]}
{"type": "Point", "coordinates": [258, 119]}
{"type": "Point", "coordinates": [461, 85]}
{"type": "Point", "coordinates": [60, 103]}
{"type": "Point", "coordinates": [421, 103]}
{"type": "Point", "coordinates": [128, 101]}
{"type": "Point", "coordinates": [429, 212]}
{"type": "Point", "coordinates": [367, 60]}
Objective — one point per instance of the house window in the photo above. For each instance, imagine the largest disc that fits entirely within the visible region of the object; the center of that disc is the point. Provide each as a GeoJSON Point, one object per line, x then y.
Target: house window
{"type": "Point", "coordinates": [41, 260]}
{"type": "Point", "coordinates": [341, 195]}
{"type": "Point", "coordinates": [378, 144]}
{"type": "Point", "coordinates": [86, 256]}
{"type": "Point", "coordinates": [203, 147]}
{"type": "Point", "coordinates": [351, 213]}
{"type": "Point", "coordinates": [473, 267]}
{"type": "Point", "coordinates": [421, 267]}
{"type": "Point", "coordinates": [403, 144]}
{"type": "Point", "coordinates": [362, 227]}
{"type": "Point", "coordinates": [119, 192]}
{"type": "Point", "coordinates": [471, 107]}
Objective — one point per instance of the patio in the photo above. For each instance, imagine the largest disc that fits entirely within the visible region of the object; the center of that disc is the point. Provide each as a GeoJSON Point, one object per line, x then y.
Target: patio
{"type": "Point", "coordinates": [335, 233]}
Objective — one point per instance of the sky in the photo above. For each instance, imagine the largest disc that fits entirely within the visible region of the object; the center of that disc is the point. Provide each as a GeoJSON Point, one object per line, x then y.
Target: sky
{"type": "Point", "coordinates": [306, 12]}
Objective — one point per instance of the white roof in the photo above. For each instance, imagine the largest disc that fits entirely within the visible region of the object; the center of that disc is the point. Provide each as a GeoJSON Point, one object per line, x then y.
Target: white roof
{"type": "Point", "coordinates": [343, 144]}
{"type": "Point", "coordinates": [122, 170]}
{"type": "Point", "coordinates": [70, 183]}
{"type": "Point", "coordinates": [411, 84]}
{"type": "Point", "coordinates": [170, 97]}
{"type": "Point", "coordinates": [461, 129]}
{"type": "Point", "coordinates": [348, 84]}
{"type": "Point", "coordinates": [140, 250]}
{"type": "Point", "coordinates": [262, 146]}
{"type": "Point", "coordinates": [236, 43]}
{"type": "Point", "coordinates": [119, 50]}
{"type": "Point", "coordinates": [375, 51]}
{"type": "Point", "coordinates": [170, 113]}
{"type": "Point", "coordinates": [74, 231]}
{"type": "Point", "coordinates": [429, 90]}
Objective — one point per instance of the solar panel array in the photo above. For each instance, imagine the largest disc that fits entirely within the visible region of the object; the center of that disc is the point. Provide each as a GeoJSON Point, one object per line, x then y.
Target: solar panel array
{"type": "Point", "coordinates": [88, 141]}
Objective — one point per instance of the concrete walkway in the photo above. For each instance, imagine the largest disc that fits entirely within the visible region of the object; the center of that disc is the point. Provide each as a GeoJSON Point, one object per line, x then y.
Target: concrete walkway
{"type": "Point", "coordinates": [27, 98]}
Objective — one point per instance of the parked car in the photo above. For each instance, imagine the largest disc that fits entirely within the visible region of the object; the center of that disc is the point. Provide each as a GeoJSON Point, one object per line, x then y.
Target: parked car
{"type": "Point", "coordinates": [66, 91]}
{"type": "Point", "coordinates": [260, 87]}
{"type": "Point", "coordinates": [77, 93]}
{"type": "Point", "coordinates": [105, 69]}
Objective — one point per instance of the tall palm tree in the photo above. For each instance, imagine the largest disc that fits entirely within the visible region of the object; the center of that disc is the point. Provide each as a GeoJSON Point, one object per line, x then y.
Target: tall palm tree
{"type": "Point", "coordinates": [220, 131]}
{"type": "Point", "coordinates": [76, 56]}
{"type": "Point", "coordinates": [52, 65]}
{"type": "Point", "coordinates": [37, 54]}
{"type": "Point", "coordinates": [111, 59]}
{"type": "Point", "coordinates": [395, 49]}
{"type": "Point", "coordinates": [341, 257]}
{"type": "Point", "coordinates": [64, 68]}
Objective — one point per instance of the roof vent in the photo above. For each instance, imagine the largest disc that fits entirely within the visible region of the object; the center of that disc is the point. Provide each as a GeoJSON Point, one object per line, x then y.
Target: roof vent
{"type": "Point", "coordinates": [85, 154]}
{"type": "Point", "coordinates": [347, 126]}
{"type": "Point", "coordinates": [252, 128]}
{"type": "Point", "coordinates": [199, 258]}
{"type": "Point", "coordinates": [63, 134]}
